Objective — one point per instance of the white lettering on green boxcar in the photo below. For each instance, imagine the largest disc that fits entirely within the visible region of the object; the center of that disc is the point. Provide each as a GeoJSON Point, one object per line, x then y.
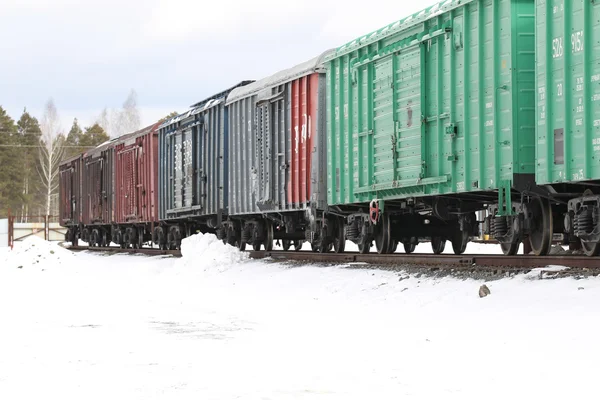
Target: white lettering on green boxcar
{"type": "Point", "coordinates": [580, 106]}
{"type": "Point", "coordinates": [596, 78]}
{"type": "Point", "coordinates": [597, 123]}
{"type": "Point", "coordinates": [579, 84]}
{"type": "Point", "coordinates": [560, 7]}
{"type": "Point", "coordinates": [577, 41]}
{"type": "Point", "coordinates": [557, 47]}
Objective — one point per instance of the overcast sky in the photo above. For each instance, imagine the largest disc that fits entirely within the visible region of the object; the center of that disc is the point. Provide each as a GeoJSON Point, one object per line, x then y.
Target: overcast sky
{"type": "Point", "coordinates": [89, 54]}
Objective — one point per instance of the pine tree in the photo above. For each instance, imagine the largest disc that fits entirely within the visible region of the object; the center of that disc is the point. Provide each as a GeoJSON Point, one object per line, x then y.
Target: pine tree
{"type": "Point", "coordinates": [73, 142]}
{"type": "Point", "coordinates": [94, 135]}
{"type": "Point", "coordinates": [29, 134]}
{"type": "Point", "coordinates": [169, 116]}
{"type": "Point", "coordinates": [10, 182]}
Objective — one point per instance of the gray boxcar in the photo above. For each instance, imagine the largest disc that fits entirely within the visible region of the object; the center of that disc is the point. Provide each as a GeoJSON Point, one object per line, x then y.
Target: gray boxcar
{"type": "Point", "coordinates": [277, 164]}
{"type": "Point", "coordinates": [193, 151]}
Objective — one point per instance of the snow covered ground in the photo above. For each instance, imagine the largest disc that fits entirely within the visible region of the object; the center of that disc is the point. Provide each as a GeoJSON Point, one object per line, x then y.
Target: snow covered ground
{"type": "Point", "coordinates": [214, 325]}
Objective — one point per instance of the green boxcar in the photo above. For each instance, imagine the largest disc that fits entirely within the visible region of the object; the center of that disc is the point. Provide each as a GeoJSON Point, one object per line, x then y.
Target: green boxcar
{"type": "Point", "coordinates": [568, 91]}
{"type": "Point", "coordinates": [441, 102]}
{"type": "Point", "coordinates": [568, 120]}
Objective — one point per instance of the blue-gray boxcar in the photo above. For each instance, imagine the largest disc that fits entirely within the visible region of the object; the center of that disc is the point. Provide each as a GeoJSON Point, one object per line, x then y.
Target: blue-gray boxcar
{"type": "Point", "coordinates": [193, 151]}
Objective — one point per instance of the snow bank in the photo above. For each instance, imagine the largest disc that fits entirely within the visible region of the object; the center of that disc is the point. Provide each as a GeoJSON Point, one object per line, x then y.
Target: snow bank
{"type": "Point", "coordinates": [36, 252]}
{"type": "Point", "coordinates": [207, 252]}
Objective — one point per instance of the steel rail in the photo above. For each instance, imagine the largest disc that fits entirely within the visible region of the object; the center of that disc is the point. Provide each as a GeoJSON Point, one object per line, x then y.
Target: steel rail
{"type": "Point", "coordinates": [431, 260]}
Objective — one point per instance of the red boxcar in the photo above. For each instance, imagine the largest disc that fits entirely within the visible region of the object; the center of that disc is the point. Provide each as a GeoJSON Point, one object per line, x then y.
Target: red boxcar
{"type": "Point", "coordinates": [136, 177]}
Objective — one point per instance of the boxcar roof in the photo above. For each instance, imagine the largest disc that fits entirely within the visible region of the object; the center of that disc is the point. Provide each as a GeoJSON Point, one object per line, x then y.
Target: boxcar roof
{"type": "Point", "coordinates": [398, 26]}
{"type": "Point", "coordinates": [69, 160]}
{"type": "Point", "coordinates": [204, 104]}
{"type": "Point", "coordinates": [281, 77]}
{"type": "Point", "coordinates": [133, 135]}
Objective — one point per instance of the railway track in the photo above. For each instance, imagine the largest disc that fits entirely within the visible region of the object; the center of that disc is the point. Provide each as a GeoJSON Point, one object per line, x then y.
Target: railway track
{"type": "Point", "coordinates": [118, 250]}
{"type": "Point", "coordinates": [519, 262]}
{"type": "Point", "coordinates": [465, 261]}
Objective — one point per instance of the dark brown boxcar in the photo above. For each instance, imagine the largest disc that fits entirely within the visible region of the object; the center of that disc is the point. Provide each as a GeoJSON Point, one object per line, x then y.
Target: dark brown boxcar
{"type": "Point", "coordinates": [69, 198]}
{"type": "Point", "coordinates": [97, 194]}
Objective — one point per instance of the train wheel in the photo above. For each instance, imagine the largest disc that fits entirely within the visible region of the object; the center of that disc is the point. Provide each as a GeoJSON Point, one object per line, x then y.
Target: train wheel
{"type": "Point", "coordinates": [438, 244]}
{"type": "Point", "coordinates": [325, 248]}
{"type": "Point", "coordinates": [269, 237]}
{"type": "Point", "coordinates": [510, 249]}
{"type": "Point", "coordinates": [460, 241]}
{"type": "Point", "coordinates": [242, 245]}
{"type": "Point", "coordinates": [94, 238]}
{"type": "Point", "coordinates": [590, 249]}
{"type": "Point", "coordinates": [364, 248]}
{"type": "Point", "coordinates": [409, 247]}
{"type": "Point", "coordinates": [298, 245]}
{"type": "Point", "coordinates": [140, 235]}
{"type": "Point", "coordinates": [540, 236]}
{"type": "Point", "coordinates": [286, 244]}
{"type": "Point", "coordinates": [339, 241]}
{"type": "Point", "coordinates": [256, 246]}
{"type": "Point", "coordinates": [383, 236]}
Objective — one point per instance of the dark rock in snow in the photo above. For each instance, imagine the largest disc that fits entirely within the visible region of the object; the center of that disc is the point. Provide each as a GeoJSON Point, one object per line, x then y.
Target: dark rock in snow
{"type": "Point", "coordinates": [484, 291]}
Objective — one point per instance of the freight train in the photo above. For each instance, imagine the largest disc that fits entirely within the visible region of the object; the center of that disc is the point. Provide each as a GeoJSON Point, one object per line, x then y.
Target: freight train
{"type": "Point", "coordinates": [399, 136]}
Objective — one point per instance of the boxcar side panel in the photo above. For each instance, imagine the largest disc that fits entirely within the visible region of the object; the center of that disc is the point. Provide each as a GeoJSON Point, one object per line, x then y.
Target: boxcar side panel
{"type": "Point", "coordinates": [98, 187]}
{"type": "Point", "coordinates": [192, 162]}
{"type": "Point", "coordinates": [136, 177]}
{"type": "Point", "coordinates": [436, 106]}
{"type": "Point", "coordinates": [70, 192]}
{"type": "Point", "coordinates": [568, 91]}
{"type": "Point", "coordinates": [276, 141]}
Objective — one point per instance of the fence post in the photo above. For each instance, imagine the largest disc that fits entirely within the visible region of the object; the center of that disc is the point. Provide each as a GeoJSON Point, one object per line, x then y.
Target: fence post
{"type": "Point", "coordinates": [11, 232]}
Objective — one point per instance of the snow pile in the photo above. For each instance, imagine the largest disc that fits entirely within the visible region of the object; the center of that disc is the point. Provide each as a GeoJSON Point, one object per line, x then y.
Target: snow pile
{"type": "Point", "coordinates": [207, 252]}
{"type": "Point", "coordinates": [36, 252]}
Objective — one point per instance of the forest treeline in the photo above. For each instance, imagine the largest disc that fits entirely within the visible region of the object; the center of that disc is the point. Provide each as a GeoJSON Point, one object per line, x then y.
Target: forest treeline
{"type": "Point", "coordinates": [31, 150]}
{"type": "Point", "coordinates": [29, 162]}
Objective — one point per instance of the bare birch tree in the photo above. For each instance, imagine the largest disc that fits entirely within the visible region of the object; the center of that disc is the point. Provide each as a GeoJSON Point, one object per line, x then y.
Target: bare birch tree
{"type": "Point", "coordinates": [51, 152]}
{"type": "Point", "coordinates": [130, 115]}
{"type": "Point", "coordinates": [119, 122]}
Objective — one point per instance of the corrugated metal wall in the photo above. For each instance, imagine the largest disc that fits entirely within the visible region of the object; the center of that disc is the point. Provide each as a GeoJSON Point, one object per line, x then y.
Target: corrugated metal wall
{"type": "Point", "coordinates": [434, 104]}
{"type": "Point", "coordinates": [193, 155]}
{"type": "Point", "coordinates": [136, 172]}
{"type": "Point", "coordinates": [98, 186]}
{"type": "Point", "coordinates": [70, 192]}
{"type": "Point", "coordinates": [276, 136]}
{"type": "Point", "coordinates": [568, 90]}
